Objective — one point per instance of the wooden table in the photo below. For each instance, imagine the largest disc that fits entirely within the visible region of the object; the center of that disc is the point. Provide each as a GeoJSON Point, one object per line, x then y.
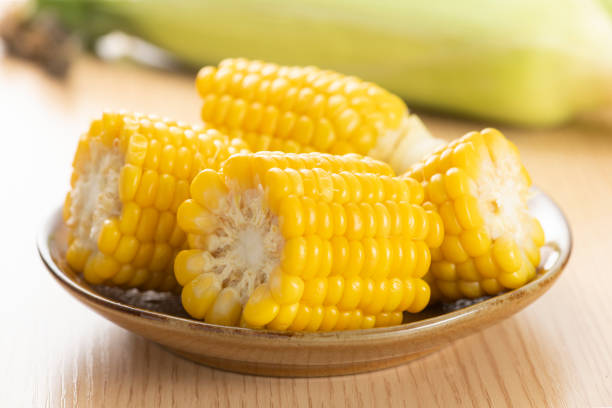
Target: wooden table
{"type": "Point", "coordinates": [55, 352]}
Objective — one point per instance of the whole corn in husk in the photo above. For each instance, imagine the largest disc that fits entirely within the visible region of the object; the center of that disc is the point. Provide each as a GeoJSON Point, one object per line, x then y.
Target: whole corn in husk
{"type": "Point", "coordinates": [130, 174]}
{"type": "Point", "coordinates": [305, 242]}
{"type": "Point", "coordinates": [531, 62]}
{"type": "Point", "coordinates": [479, 187]}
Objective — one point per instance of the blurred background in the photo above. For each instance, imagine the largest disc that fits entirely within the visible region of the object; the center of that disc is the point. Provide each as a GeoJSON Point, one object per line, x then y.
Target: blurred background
{"type": "Point", "coordinates": [526, 62]}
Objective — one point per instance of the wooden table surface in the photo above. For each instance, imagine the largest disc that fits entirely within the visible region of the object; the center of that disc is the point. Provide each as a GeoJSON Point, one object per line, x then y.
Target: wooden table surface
{"type": "Point", "coordinates": [55, 352]}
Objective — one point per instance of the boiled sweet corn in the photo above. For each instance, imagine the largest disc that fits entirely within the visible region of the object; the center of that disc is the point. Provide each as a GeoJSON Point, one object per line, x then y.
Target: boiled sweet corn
{"type": "Point", "coordinates": [479, 188]}
{"type": "Point", "coordinates": [305, 242]}
{"type": "Point", "coordinates": [295, 109]}
{"type": "Point", "coordinates": [131, 173]}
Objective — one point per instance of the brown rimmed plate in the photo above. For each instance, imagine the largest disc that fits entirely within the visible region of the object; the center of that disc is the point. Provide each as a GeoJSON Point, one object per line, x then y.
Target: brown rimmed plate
{"type": "Point", "coordinates": [310, 354]}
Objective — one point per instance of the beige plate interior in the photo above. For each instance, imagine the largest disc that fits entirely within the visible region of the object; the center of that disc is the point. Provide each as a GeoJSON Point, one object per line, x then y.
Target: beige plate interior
{"type": "Point", "coordinates": [315, 354]}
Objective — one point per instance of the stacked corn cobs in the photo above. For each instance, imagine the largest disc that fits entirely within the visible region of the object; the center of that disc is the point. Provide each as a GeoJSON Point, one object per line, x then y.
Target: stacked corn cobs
{"type": "Point", "coordinates": [297, 239]}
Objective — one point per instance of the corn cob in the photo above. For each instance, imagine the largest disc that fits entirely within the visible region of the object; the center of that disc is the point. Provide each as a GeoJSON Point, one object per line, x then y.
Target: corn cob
{"type": "Point", "coordinates": [479, 187]}
{"type": "Point", "coordinates": [295, 109]}
{"type": "Point", "coordinates": [130, 174]}
{"type": "Point", "coordinates": [304, 242]}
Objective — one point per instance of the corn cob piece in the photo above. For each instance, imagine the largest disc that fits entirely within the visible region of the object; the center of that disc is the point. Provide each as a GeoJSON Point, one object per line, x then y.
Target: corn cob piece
{"type": "Point", "coordinates": [295, 109]}
{"type": "Point", "coordinates": [130, 174]}
{"type": "Point", "coordinates": [304, 242]}
{"type": "Point", "coordinates": [480, 188]}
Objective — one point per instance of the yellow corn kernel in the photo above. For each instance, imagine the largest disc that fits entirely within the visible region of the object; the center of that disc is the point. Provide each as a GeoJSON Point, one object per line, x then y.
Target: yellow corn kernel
{"type": "Point", "coordinates": [165, 192]}
{"type": "Point", "coordinates": [199, 294]}
{"type": "Point", "coordinates": [226, 308]}
{"type": "Point", "coordinates": [139, 278]}
{"type": "Point", "coordinates": [343, 321]}
{"type": "Point", "coordinates": [316, 318]}
{"type": "Point", "coordinates": [444, 270]}
{"type": "Point", "coordinates": [109, 236]}
{"type": "Point", "coordinates": [136, 150]}
{"type": "Point", "coordinates": [147, 190]}
{"type": "Point", "coordinates": [467, 271]}
{"type": "Point", "coordinates": [335, 289]}
{"type": "Point", "coordinates": [435, 234]}
{"type": "Point", "coordinates": [506, 254]}
{"type": "Point", "coordinates": [177, 237]}
{"type": "Point", "coordinates": [408, 295]}
{"type": "Point", "coordinates": [379, 298]}
{"type": "Point", "coordinates": [77, 256]}
{"type": "Point", "coordinates": [285, 288]}
{"type": "Point", "coordinates": [129, 181]}
{"type": "Point", "coordinates": [476, 242]}
{"type": "Point", "coordinates": [126, 249]}
{"type": "Point", "coordinates": [192, 217]}
{"type": "Point", "coordinates": [302, 318]}
{"type": "Point", "coordinates": [330, 318]}
{"type": "Point", "coordinates": [294, 255]}
{"type": "Point", "coordinates": [291, 217]}
{"type": "Point", "coordinates": [453, 250]}
{"type": "Point", "coordinates": [147, 225]}
{"type": "Point", "coordinates": [165, 226]}
{"type": "Point", "coordinates": [207, 188]}
{"type": "Point", "coordinates": [125, 274]}
{"type": "Point", "coordinates": [261, 307]}
{"type": "Point", "coordinates": [421, 298]}
{"type": "Point", "coordinates": [456, 183]}
{"type": "Point", "coordinates": [128, 221]}
{"type": "Point", "coordinates": [436, 189]}
{"type": "Point", "coordinates": [100, 266]}
{"type": "Point", "coordinates": [181, 193]}
{"type": "Point", "coordinates": [449, 217]}
{"type": "Point", "coordinates": [162, 256]}
{"type": "Point", "coordinates": [315, 291]}
{"type": "Point", "coordinates": [395, 295]}
{"type": "Point", "coordinates": [238, 169]}
{"type": "Point", "coordinates": [285, 317]}
{"type": "Point", "coordinates": [314, 252]}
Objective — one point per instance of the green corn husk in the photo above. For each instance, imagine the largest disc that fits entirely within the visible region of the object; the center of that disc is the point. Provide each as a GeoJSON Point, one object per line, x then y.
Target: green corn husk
{"type": "Point", "coordinates": [529, 62]}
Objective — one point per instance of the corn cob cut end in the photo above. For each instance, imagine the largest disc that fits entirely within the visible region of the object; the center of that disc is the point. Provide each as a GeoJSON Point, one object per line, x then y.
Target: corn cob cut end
{"type": "Point", "coordinates": [130, 173]}
{"type": "Point", "coordinates": [406, 145]}
{"type": "Point", "coordinates": [480, 188]}
{"type": "Point", "coordinates": [303, 109]}
{"type": "Point", "coordinates": [296, 242]}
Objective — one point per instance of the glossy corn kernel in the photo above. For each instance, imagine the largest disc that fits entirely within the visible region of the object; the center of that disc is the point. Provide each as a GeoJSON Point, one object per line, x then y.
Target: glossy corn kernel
{"type": "Point", "coordinates": [131, 172]}
{"type": "Point", "coordinates": [309, 242]}
{"type": "Point", "coordinates": [295, 109]}
{"type": "Point", "coordinates": [479, 189]}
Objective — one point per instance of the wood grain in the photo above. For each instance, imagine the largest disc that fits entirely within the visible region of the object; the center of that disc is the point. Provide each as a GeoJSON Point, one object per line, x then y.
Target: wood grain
{"type": "Point", "coordinates": [55, 352]}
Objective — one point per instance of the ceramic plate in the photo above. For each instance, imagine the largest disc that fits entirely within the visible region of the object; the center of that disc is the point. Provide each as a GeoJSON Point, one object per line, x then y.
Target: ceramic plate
{"type": "Point", "coordinates": [161, 319]}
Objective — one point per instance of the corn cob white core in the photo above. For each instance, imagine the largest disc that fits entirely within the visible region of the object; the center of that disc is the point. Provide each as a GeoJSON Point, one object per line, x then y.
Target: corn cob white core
{"type": "Point", "coordinates": [502, 193]}
{"type": "Point", "coordinates": [95, 196]}
{"type": "Point", "coordinates": [246, 244]}
{"type": "Point", "coordinates": [405, 145]}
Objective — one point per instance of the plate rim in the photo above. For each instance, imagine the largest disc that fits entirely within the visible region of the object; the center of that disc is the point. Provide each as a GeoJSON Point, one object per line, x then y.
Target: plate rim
{"type": "Point", "coordinates": [51, 221]}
